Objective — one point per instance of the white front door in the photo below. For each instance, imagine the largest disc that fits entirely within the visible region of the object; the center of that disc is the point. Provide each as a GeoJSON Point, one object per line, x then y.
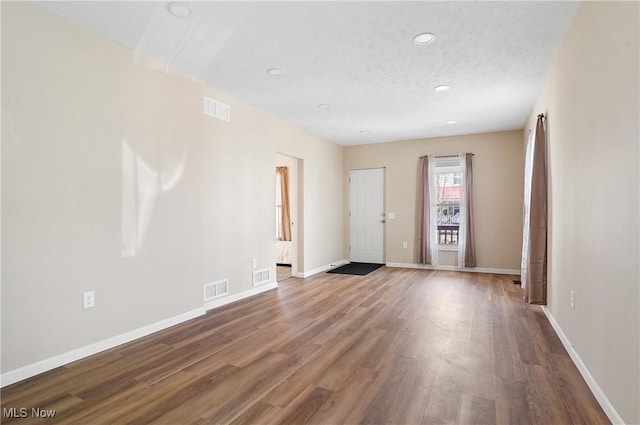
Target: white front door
{"type": "Point", "coordinates": [367, 215]}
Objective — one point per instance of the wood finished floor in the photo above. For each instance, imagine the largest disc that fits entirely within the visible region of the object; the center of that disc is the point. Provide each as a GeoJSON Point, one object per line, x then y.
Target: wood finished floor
{"type": "Point", "coordinates": [397, 346]}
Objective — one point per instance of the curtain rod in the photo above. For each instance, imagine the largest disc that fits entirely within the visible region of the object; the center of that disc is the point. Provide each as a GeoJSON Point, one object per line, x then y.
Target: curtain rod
{"type": "Point", "coordinates": [444, 156]}
{"type": "Point", "coordinates": [539, 116]}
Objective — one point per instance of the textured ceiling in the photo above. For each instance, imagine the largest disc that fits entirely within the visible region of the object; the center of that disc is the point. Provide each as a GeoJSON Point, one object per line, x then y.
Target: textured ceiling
{"type": "Point", "coordinates": [356, 56]}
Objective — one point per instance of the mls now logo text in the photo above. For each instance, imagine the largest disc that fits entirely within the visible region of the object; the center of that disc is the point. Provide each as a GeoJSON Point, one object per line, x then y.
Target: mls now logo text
{"type": "Point", "coordinates": [23, 412]}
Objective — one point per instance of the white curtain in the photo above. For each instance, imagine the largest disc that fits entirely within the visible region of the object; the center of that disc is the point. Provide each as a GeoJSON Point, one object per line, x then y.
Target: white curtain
{"type": "Point", "coordinates": [462, 230]}
{"type": "Point", "coordinates": [526, 213]}
{"type": "Point", "coordinates": [433, 211]}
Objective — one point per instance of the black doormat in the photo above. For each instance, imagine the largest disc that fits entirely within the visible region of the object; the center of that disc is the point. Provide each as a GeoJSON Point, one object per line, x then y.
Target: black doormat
{"type": "Point", "coordinates": [359, 269]}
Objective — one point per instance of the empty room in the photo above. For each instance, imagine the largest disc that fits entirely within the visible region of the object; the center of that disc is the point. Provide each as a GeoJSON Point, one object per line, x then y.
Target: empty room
{"type": "Point", "coordinates": [322, 212]}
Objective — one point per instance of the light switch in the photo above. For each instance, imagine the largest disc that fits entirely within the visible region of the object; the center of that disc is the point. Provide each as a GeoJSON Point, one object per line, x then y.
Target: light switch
{"type": "Point", "coordinates": [391, 216]}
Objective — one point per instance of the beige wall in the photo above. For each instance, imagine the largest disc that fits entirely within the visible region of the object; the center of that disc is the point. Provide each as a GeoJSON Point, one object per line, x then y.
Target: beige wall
{"type": "Point", "coordinates": [113, 180]}
{"type": "Point", "coordinates": [591, 100]}
{"type": "Point", "coordinates": [498, 181]}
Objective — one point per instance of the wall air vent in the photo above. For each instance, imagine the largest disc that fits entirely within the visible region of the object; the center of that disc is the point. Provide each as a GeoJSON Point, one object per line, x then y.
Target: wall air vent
{"type": "Point", "coordinates": [260, 277]}
{"type": "Point", "coordinates": [215, 290]}
{"type": "Point", "coordinates": [217, 109]}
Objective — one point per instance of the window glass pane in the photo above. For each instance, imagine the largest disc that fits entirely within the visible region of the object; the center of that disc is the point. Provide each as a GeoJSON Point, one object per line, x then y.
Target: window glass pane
{"type": "Point", "coordinates": [278, 207]}
{"type": "Point", "coordinates": [448, 198]}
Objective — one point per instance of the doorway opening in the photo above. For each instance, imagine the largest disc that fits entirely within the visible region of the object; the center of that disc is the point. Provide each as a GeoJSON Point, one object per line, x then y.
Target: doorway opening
{"type": "Point", "coordinates": [287, 175]}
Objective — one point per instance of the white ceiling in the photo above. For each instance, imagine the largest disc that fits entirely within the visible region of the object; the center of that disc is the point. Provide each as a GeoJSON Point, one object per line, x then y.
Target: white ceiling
{"type": "Point", "coordinates": [356, 56]}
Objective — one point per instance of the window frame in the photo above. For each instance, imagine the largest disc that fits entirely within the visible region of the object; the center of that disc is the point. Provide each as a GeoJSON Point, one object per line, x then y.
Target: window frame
{"type": "Point", "coordinates": [448, 165]}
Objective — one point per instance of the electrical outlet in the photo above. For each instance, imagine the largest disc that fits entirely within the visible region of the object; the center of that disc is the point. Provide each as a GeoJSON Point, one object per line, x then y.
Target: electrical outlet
{"type": "Point", "coordinates": [405, 245]}
{"type": "Point", "coordinates": [573, 299]}
{"type": "Point", "coordinates": [88, 299]}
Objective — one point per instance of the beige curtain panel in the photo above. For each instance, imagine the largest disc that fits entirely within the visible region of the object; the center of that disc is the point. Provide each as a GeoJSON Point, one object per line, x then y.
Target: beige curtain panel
{"type": "Point", "coordinates": [469, 239]}
{"type": "Point", "coordinates": [423, 210]}
{"type": "Point", "coordinates": [283, 172]}
{"type": "Point", "coordinates": [536, 261]}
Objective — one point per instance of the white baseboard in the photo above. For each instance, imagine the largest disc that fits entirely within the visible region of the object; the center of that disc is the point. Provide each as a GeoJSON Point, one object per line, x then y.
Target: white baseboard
{"type": "Point", "coordinates": [37, 368]}
{"type": "Point", "coordinates": [237, 297]}
{"type": "Point", "coordinates": [323, 268]}
{"type": "Point", "coordinates": [45, 365]}
{"type": "Point", "coordinates": [604, 402]}
{"type": "Point", "coordinates": [454, 268]}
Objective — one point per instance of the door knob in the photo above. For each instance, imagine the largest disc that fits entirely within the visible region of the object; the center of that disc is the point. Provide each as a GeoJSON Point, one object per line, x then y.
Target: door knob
{"type": "Point", "coordinates": [383, 221]}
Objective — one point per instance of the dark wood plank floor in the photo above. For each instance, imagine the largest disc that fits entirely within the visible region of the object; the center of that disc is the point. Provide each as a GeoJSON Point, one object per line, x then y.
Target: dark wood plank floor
{"type": "Point", "coordinates": [397, 346]}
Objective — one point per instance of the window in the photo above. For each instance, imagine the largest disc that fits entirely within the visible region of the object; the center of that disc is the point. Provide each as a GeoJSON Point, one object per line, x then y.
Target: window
{"type": "Point", "coordinates": [445, 209]}
{"type": "Point", "coordinates": [279, 233]}
{"type": "Point", "coordinates": [448, 193]}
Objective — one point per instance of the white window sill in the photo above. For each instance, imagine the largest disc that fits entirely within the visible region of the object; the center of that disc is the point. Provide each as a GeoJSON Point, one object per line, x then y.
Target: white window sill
{"type": "Point", "coordinates": [453, 248]}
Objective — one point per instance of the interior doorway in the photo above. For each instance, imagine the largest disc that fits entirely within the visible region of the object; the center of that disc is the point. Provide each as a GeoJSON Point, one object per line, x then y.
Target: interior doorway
{"type": "Point", "coordinates": [286, 214]}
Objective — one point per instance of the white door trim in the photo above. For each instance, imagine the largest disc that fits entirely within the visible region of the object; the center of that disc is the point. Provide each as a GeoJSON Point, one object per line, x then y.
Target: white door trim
{"type": "Point", "coordinates": [295, 168]}
{"type": "Point", "coordinates": [367, 215]}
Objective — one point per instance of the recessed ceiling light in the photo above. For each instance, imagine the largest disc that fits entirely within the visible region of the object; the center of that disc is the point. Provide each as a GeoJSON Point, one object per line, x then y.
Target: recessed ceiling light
{"type": "Point", "coordinates": [324, 106]}
{"type": "Point", "coordinates": [451, 122]}
{"type": "Point", "coordinates": [423, 38]}
{"type": "Point", "coordinates": [275, 71]}
{"type": "Point", "coordinates": [179, 9]}
{"type": "Point", "coordinates": [443, 87]}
